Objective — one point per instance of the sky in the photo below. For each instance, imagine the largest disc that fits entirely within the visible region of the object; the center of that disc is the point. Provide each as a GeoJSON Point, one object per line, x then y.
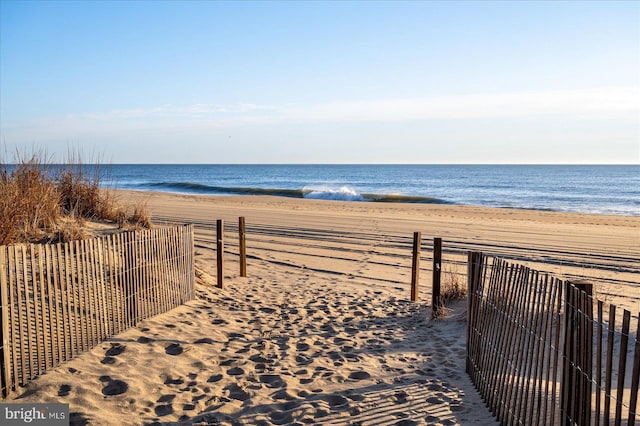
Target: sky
{"type": "Point", "coordinates": [421, 82]}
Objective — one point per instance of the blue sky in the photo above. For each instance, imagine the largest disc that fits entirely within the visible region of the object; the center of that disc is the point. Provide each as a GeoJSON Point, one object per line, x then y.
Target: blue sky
{"type": "Point", "coordinates": [323, 82]}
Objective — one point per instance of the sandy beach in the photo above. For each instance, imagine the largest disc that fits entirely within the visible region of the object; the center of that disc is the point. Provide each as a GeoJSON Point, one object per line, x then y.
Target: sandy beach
{"type": "Point", "coordinates": [322, 330]}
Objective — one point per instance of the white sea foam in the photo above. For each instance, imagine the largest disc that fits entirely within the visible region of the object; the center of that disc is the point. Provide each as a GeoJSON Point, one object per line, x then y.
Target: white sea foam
{"type": "Point", "coordinates": [344, 193]}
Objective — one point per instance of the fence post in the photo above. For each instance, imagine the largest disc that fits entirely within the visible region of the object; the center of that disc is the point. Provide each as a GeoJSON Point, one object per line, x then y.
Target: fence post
{"type": "Point", "coordinates": [5, 366]}
{"type": "Point", "coordinates": [474, 259]}
{"type": "Point", "coordinates": [415, 266]}
{"type": "Point", "coordinates": [575, 402]}
{"type": "Point", "coordinates": [436, 300]}
{"type": "Point", "coordinates": [220, 252]}
{"type": "Point", "coordinates": [635, 377]}
{"type": "Point", "coordinates": [243, 246]}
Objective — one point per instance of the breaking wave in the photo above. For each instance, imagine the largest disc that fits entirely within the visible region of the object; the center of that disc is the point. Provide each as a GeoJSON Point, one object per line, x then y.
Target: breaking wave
{"type": "Point", "coordinates": [342, 193]}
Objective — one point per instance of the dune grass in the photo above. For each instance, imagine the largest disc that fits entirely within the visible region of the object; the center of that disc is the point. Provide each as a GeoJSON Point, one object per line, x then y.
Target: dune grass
{"type": "Point", "coordinates": [453, 287]}
{"type": "Point", "coordinates": [45, 202]}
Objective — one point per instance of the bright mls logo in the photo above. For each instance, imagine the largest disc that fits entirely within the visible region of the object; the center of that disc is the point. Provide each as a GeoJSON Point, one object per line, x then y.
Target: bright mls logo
{"type": "Point", "coordinates": [36, 414]}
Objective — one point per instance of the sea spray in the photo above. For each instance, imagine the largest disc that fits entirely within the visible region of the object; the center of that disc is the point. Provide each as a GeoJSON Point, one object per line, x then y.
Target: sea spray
{"type": "Point", "coordinates": [343, 193]}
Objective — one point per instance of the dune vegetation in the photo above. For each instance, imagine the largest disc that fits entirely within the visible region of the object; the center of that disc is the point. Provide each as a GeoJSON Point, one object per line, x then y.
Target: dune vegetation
{"type": "Point", "coordinates": [43, 202]}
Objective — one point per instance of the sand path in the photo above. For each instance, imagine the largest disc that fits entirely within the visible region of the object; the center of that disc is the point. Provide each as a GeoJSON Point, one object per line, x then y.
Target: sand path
{"type": "Point", "coordinates": [282, 347]}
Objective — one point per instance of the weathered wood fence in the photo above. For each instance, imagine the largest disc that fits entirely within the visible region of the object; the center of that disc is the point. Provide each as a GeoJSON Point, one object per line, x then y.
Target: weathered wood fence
{"type": "Point", "coordinates": [60, 300]}
{"type": "Point", "coordinates": [538, 356]}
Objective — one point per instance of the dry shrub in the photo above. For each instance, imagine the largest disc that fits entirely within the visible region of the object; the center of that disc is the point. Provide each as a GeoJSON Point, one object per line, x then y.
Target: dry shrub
{"type": "Point", "coordinates": [110, 210]}
{"type": "Point", "coordinates": [29, 201]}
{"type": "Point", "coordinates": [119, 216]}
{"type": "Point", "coordinates": [81, 194]}
{"type": "Point", "coordinates": [69, 230]}
{"type": "Point", "coordinates": [44, 203]}
{"type": "Point", "coordinates": [452, 287]}
{"type": "Point", "coordinates": [140, 218]}
{"type": "Point", "coordinates": [441, 312]}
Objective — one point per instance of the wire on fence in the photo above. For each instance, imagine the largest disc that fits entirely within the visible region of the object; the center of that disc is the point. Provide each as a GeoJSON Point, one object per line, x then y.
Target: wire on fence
{"type": "Point", "coordinates": [537, 352]}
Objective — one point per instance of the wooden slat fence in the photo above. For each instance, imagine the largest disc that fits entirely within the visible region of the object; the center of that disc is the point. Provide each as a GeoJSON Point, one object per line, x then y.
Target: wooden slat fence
{"type": "Point", "coordinates": [537, 354]}
{"type": "Point", "coordinates": [60, 300]}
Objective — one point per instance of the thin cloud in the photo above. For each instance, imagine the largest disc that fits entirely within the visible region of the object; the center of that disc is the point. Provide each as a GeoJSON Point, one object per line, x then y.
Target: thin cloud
{"type": "Point", "coordinates": [616, 102]}
{"type": "Point", "coordinates": [577, 104]}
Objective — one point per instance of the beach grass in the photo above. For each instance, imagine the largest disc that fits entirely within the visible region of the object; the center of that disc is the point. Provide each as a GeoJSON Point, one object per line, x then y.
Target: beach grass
{"type": "Point", "coordinates": [42, 202]}
{"type": "Point", "coordinates": [453, 287]}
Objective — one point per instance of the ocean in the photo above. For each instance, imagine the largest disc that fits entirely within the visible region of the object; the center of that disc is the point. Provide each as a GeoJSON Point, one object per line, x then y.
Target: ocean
{"type": "Point", "coordinates": [574, 188]}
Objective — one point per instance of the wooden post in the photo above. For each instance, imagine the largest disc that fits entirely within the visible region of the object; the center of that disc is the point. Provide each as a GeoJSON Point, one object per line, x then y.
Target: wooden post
{"type": "Point", "coordinates": [622, 364]}
{"type": "Point", "coordinates": [635, 377]}
{"type": "Point", "coordinates": [473, 260]}
{"type": "Point", "coordinates": [243, 246]}
{"type": "Point", "coordinates": [220, 252]}
{"type": "Point", "coordinates": [585, 347]}
{"type": "Point", "coordinates": [5, 353]}
{"type": "Point", "coordinates": [436, 300]}
{"type": "Point", "coordinates": [575, 402]}
{"type": "Point", "coordinates": [415, 266]}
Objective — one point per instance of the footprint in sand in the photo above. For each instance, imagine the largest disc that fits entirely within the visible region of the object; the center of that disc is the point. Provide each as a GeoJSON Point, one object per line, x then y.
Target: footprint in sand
{"type": "Point", "coordinates": [163, 410]}
{"type": "Point", "coordinates": [352, 357]}
{"type": "Point", "coordinates": [205, 340]}
{"type": "Point", "coordinates": [435, 387]}
{"type": "Point", "coordinates": [235, 371]}
{"type": "Point", "coordinates": [272, 380]}
{"type": "Point", "coordinates": [237, 393]}
{"type": "Point", "coordinates": [335, 356]}
{"type": "Point", "coordinates": [166, 398]}
{"type": "Point", "coordinates": [235, 336]}
{"type": "Point", "coordinates": [113, 387]}
{"type": "Point", "coordinates": [282, 394]}
{"type": "Point", "coordinates": [174, 349]}
{"type": "Point", "coordinates": [115, 349]}
{"type": "Point", "coordinates": [355, 397]}
{"type": "Point", "coordinates": [359, 375]}
{"type": "Point", "coordinates": [170, 381]}
{"type": "Point", "coordinates": [337, 401]}
{"type": "Point", "coordinates": [400, 397]}
{"type": "Point", "coordinates": [64, 390]}
{"type": "Point", "coordinates": [214, 378]}
{"type": "Point", "coordinates": [320, 413]}
{"type": "Point", "coordinates": [434, 400]}
{"type": "Point", "coordinates": [260, 359]}
{"type": "Point", "coordinates": [302, 346]}
{"type": "Point", "coordinates": [281, 418]}
{"type": "Point", "coordinates": [243, 350]}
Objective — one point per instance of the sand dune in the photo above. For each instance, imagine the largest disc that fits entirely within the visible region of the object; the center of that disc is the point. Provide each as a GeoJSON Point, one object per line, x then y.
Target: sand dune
{"type": "Point", "coordinates": [321, 332]}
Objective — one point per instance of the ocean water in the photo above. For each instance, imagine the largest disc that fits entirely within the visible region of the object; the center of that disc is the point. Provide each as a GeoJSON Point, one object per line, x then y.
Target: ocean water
{"type": "Point", "coordinates": [586, 189]}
